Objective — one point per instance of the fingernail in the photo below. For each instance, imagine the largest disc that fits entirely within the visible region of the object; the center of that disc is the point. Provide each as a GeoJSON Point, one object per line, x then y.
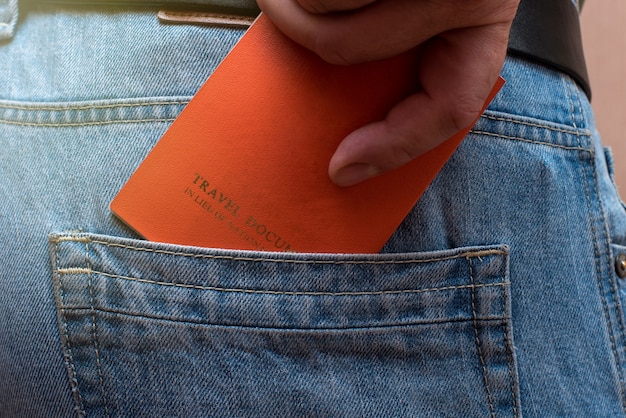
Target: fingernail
{"type": "Point", "coordinates": [355, 173]}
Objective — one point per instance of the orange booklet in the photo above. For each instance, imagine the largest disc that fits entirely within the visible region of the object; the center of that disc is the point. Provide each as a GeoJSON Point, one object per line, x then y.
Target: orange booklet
{"type": "Point", "coordinates": [245, 164]}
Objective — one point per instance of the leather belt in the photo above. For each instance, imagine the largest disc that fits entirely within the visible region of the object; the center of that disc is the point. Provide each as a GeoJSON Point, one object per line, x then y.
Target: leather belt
{"type": "Point", "coordinates": [548, 31]}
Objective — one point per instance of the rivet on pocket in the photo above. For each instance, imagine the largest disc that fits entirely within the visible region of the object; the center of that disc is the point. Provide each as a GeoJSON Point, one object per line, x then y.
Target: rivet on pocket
{"type": "Point", "coordinates": [620, 266]}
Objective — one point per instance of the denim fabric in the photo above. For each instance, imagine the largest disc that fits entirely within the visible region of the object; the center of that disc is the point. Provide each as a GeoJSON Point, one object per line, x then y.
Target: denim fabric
{"type": "Point", "coordinates": [497, 296]}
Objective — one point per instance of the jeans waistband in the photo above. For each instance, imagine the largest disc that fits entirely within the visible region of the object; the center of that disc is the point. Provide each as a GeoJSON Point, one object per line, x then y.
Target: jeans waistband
{"type": "Point", "coordinates": [9, 8]}
{"type": "Point", "coordinates": [533, 33]}
{"type": "Point", "coordinates": [132, 56]}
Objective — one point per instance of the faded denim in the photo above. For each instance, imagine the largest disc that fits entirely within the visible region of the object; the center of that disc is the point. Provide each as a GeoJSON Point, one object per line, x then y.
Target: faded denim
{"type": "Point", "coordinates": [497, 296]}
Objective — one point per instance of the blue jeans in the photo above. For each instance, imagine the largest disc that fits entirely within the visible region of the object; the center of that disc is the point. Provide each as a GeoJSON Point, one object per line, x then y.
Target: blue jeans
{"type": "Point", "coordinates": [497, 296]}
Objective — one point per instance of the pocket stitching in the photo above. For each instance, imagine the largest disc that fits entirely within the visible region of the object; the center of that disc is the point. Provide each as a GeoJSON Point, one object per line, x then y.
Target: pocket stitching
{"type": "Point", "coordinates": [477, 341]}
{"type": "Point", "coordinates": [535, 125]}
{"type": "Point", "coordinates": [94, 331]}
{"type": "Point", "coordinates": [530, 141]}
{"type": "Point", "coordinates": [67, 347]}
{"type": "Point", "coordinates": [89, 271]}
{"type": "Point", "coordinates": [509, 353]}
{"type": "Point", "coordinates": [464, 254]}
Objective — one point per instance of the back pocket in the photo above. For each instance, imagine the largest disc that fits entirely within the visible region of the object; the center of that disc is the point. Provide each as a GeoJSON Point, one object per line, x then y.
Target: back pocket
{"type": "Point", "coordinates": [154, 329]}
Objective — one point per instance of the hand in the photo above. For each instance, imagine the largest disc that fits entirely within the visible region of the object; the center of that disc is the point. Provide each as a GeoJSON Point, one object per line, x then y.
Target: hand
{"type": "Point", "coordinates": [463, 45]}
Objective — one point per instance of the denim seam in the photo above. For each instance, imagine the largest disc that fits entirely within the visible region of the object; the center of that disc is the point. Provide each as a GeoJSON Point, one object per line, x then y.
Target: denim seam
{"type": "Point", "coordinates": [530, 141]}
{"type": "Point", "coordinates": [477, 340]}
{"type": "Point", "coordinates": [94, 331]}
{"type": "Point", "coordinates": [534, 125]}
{"type": "Point", "coordinates": [89, 271]}
{"type": "Point", "coordinates": [473, 254]}
{"type": "Point", "coordinates": [65, 107]}
{"type": "Point", "coordinates": [608, 247]}
{"type": "Point", "coordinates": [436, 321]}
{"type": "Point", "coordinates": [71, 124]}
{"type": "Point", "coordinates": [611, 278]}
{"type": "Point", "coordinates": [509, 352]}
{"type": "Point", "coordinates": [605, 307]}
{"type": "Point", "coordinates": [613, 286]}
{"type": "Point", "coordinates": [596, 249]}
{"type": "Point", "coordinates": [62, 108]}
{"type": "Point", "coordinates": [68, 346]}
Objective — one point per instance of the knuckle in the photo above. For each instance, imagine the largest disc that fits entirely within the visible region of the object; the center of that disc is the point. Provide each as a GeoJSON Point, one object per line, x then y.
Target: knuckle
{"type": "Point", "coordinates": [409, 145]}
{"type": "Point", "coordinates": [405, 151]}
{"type": "Point", "coordinates": [463, 112]}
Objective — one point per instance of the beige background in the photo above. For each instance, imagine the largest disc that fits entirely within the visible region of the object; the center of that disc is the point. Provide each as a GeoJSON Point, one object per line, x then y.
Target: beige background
{"type": "Point", "coordinates": [604, 36]}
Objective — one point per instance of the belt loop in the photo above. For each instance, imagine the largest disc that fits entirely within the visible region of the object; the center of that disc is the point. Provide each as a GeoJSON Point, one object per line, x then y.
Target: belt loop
{"type": "Point", "coordinates": [8, 18]}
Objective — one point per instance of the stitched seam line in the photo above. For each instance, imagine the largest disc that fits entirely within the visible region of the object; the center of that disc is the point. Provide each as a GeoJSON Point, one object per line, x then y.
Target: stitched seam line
{"type": "Point", "coordinates": [477, 340]}
{"type": "Point", "coordinates": [276, 328]}
{"type": "Point", "coordinates": [612, 284]}
{"type": "Point", "coordinates": [91, 107]}
{"type": "Point", "coordinates": [68, 346]}
{"type": "Point", "coordinates": [530, 141]}
{"type": "Point", "coordinates": [534, 125]}
{"type": "Point", "coordinates": [599, 272]}
{"type": "Point", "coordinates": [89, 272]}
{"type": "Point", "coordinates": [509, 355]}
{"type": "Point", "coordinates": [596, 251]}
{"type": "Point", "coordinates": [468, 254]}
{"type": "Point", "coordinates": [601, 289]}
{"type": "Point", "coordinates": [107, 122]}
{"type": "Point", "coordinates": [94, 331]}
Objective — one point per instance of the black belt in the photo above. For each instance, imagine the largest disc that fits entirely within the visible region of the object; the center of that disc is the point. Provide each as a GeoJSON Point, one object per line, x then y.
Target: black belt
{"type": "Point", "coordinates": [548, 31]}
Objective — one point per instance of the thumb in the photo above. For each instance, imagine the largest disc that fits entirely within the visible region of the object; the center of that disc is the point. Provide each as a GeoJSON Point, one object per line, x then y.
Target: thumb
{"type": "Point", "coordinates": [457, 73]}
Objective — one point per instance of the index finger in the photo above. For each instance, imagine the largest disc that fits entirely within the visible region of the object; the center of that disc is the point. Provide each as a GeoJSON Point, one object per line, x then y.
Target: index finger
{"type": "Point", "coordinates": [382, 28]}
